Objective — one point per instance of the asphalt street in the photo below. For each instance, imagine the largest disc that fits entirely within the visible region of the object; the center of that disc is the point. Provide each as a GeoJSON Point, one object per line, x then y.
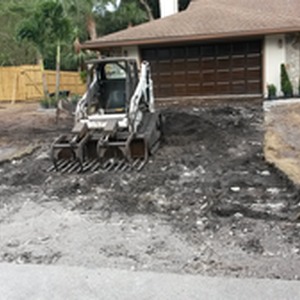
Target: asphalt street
{"type": "Point", "coordinates": [39, 282]}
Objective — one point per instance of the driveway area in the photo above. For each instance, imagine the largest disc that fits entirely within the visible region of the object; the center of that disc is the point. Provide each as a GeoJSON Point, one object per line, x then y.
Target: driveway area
{"type": "Point", "coordinates": [208, 203]}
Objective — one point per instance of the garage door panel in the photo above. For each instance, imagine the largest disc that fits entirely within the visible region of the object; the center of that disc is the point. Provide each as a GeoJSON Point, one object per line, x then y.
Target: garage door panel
{"type": "Point", "coordinates": [254, 47]}
{"type": "Point", "coordinates": [206, 69]}
{"type": "Point", "coordinates": [179, 78]}
{"type": "Point", "coordinates": [224, 49]}
{"type": "Point", "coordinates": [239, 87]}
{"type": "Point", "coordinates": [208, 88]}
{"type": "Point", "coordinates": [239, 48]}
{"type": "Point", "coordinates": [238, 74]}
{"type": "Point", "coordinates": [224, 88]}
{"type": "Point", "coordinates": [238, 62]}
{"type": "Point", "coordinates": [180, 89]}
{"type": "Point", "coordinates": [178, 52]}
{"type": "Point", "coordinates": [253, 61]}
{"type": "Point", "coordinates": [224, 63]}
{"type": "Point", "coordinates": [150, 54]}
{"type": "Point", "coordinates": [194, 89]}
{"type": "Point", "coordinates": [179, 66]}
{"type": "Point", "coordinates": [208, 51]}
{"type": "Point", "coordinates": [193, 77]}
{"type": "Point", "coordinates": [223, 75]}
{"type": "Point", "coordinates": [154, 65]}
{"type": "Point", "coordinates": [209, 76]}
{"type": "Point", "coordinates": [164, 53]}
{"type": "Point", "coordinates": [253, 87]}
{"type": "Point", "coordinates": [166, 78]}
{"type": "Point", "coordinates": [193, 52]}
{"type": "Point", "coordinates": [208, 64]}
{"type": "Point", "coordinates": [253, 73]}
{"type": "Point", "coordinates": [165, 67]}
{"type": "Point", "coordinates": [193, 65]}
{"type": "Point", "coordinates": [165, 90]}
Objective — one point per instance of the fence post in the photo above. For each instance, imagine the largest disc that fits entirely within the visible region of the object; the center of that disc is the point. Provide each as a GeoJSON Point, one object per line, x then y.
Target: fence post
{"type": "Point", "coordinates": [15, 86]}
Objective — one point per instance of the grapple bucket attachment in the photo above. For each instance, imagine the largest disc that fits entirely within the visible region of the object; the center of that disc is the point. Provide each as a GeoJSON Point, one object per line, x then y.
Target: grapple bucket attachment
{"type": "Point", "coordinates": [112, 152]}
{"type": "Point", "coordinates": [138, 149]}
{"type": "Point", "coordinates": [66, 152]}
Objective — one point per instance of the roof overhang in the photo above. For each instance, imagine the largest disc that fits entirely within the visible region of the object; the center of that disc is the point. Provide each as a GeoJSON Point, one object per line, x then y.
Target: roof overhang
{"type": "Point", "coordinates": [104, 44]}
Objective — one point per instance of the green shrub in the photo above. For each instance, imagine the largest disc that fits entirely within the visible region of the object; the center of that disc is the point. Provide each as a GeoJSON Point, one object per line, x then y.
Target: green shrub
{"type": "Point", "coordinates": [272, 91]}
{"type": "Point", "coordinates": [75, 98]}
{"type": "Point", "coordinates": [286, 85]}
{"type": "Point", "coordinates": [44, 103]}
{"type": "Point", "coordinates": [48, 102]}
{"type": "Point", "coordinates": [83, 76]}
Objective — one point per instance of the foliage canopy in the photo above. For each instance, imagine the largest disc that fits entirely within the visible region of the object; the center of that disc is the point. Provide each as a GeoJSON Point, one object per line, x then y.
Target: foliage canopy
{"type": "Point", "coordinates": [25, 20]}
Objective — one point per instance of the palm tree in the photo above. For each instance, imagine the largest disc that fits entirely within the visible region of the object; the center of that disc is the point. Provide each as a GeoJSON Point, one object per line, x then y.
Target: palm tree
{"type": "Point", "coordinates": [47, 25]}
{"type": "Point", "coordinates": [59, 31]}
{"type": "Point", "coordinates": [83, 15]}
{"type": "Point", "coordinates": [31, 31]}
{"type": "Point", "coordinates": [148, 9]}
{"type": "Point", "coordinates": [10, 52]}
{"type": "Point", "coordinates": [128, 13]}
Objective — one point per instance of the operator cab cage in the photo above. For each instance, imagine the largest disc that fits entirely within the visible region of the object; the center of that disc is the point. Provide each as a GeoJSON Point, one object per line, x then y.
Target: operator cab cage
{"type": "Point", "coordinates": [116, 81]}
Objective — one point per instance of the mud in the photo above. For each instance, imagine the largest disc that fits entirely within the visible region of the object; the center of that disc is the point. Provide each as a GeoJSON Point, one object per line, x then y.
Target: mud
{"type": "Point", "coordinates": [206, 203]}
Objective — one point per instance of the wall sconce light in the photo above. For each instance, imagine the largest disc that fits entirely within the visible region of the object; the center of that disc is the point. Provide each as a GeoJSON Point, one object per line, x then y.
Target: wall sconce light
{"type": "Point", "coordinates": [280, 43]}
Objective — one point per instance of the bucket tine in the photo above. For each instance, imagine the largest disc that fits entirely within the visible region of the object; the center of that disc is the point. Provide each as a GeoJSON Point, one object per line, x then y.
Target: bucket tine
{"type": "Point", "coordinates": [74, 167]}
{"type": "Point", "coordinates": [135, 162]}
{"type": "Point", "coordinates": [141, 165]}
{"type": "Point", "coordinates": [95, 166]}
{"type": "Point", "coordinates": [68, 166]}
{"type": "Point", "coordinates": [119, 165]}
{"type": "Point", "coordinates": [63, 165]}
{"type": "Point", "coordinates": [50, 169]}
{"type": "Point", "coordinates": [111, 166]}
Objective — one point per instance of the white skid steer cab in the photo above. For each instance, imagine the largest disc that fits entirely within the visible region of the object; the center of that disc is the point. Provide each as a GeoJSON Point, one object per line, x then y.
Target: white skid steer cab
{"type": "Point", "coordinates": [116, 125]}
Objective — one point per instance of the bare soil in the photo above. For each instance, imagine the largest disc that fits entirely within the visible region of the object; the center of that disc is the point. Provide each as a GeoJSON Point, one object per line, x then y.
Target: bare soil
{"type": "Point", "coordinates": [282, 139]}
{"type": "Point", "coordinates": [207, 203]}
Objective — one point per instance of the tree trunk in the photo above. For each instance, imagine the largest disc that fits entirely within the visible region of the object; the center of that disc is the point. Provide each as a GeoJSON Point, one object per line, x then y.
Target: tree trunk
{"type": "Point", "coordinates": [77, 50]}
{"type": "Point", "coordinates": [57, 83]}
{"type": "Point", "coordinates": [91, 27]}
{"type": "Point", "coordinates": [44, 80]}
{"type": "Point", "coordinates": [148, 9]}
{"type": "Point", "coordinates": [92, 30]}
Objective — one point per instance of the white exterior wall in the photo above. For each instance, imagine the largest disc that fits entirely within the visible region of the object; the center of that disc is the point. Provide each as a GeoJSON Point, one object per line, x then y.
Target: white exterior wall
{"type": "Point", "coordinates": [292, 42]}
{"type": "Point", "coordinates": [168, 7]}
{"type": "Point", "coordinates": [132, 51]}
{"type": "Point", "coordinates": [274, 56]}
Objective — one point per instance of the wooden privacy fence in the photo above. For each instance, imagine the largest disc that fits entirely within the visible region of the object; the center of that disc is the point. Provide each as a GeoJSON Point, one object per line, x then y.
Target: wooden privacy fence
{"type": "Point", "coordinates": [25, 83]}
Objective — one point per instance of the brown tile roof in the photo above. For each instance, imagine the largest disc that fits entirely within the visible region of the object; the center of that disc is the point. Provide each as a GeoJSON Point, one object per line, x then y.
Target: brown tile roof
{"type": "Point", "coordinates": [211, 19]}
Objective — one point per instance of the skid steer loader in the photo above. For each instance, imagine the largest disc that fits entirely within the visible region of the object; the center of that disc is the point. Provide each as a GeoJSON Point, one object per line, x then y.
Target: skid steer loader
{"type": "Point", "coordinates": [116, 126]}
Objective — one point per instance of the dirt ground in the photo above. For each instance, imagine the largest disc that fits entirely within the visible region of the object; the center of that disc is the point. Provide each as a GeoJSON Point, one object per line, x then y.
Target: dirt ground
{"type": "Point", "coordinates": [282, 138]}
{"type": "Point", "coordinates": [207, 203]}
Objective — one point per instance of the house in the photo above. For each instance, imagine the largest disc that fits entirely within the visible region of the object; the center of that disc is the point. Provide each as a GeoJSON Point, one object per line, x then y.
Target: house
{"type": "Point", "coordinates": [219, 47]}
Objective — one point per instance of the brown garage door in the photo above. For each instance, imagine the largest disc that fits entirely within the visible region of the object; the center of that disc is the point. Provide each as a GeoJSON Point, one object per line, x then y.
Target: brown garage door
{"type": "Point", "coordinates": [207, 69]}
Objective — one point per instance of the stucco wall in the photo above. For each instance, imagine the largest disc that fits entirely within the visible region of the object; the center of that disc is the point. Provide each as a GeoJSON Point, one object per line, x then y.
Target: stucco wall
{"type": "Point", "coordinates": [132, 51]}
{"type": "Point", "coordinates": [282, 49]}
{"type": "Point", "coordinates": [274, 56]}
{"type": "Point", "coordinates": [292, 42]}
